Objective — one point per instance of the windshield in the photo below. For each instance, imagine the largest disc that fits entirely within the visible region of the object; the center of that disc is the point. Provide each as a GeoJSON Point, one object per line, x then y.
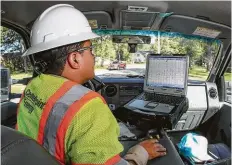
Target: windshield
{"type": "Point", "coordinates": [201, 51]}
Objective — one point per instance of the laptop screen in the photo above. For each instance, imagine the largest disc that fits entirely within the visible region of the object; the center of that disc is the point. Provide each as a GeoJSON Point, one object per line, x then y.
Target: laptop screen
{"type": "Point", "coordinates": [166, 74]}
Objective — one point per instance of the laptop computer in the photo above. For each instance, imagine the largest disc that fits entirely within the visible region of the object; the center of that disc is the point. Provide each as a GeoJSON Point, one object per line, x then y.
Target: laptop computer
{"type": "Point", "coordinates": [165, 84]}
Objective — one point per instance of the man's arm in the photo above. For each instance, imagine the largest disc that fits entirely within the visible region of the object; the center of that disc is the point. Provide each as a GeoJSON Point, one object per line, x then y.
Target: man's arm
{"type": "Point", "coordinates": [92, 136]}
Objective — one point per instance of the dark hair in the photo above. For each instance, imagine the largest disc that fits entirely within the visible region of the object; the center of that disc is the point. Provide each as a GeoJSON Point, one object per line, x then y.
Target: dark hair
{"type": "Point", "coordinates": [53, 61]}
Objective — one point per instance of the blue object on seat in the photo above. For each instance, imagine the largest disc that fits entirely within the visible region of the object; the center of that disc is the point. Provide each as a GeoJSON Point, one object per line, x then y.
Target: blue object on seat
{"type": "Point", "coordinates": [220, 150]}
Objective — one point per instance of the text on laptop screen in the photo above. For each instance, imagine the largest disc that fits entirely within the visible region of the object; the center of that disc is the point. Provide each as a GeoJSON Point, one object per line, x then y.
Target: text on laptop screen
{"type": "Point", "coordinates": [166, 72]}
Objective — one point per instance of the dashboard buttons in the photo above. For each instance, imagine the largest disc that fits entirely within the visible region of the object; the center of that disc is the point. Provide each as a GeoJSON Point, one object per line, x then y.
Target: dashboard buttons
{"type": "Point", "coordinates": [112, 107]}
{"type": "Point", "coordinates": [110, 90]}
{"type": "Point", "coordinates": [213, 93]}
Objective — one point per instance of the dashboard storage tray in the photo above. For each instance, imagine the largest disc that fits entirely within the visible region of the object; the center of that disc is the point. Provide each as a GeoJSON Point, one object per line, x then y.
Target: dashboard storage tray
{"type": "Point", "coordinates": [148, 120]}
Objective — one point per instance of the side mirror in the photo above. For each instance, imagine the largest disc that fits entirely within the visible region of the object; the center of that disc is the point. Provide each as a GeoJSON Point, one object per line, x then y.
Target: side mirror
{"type": "Point", "coordinates": [5, 84]}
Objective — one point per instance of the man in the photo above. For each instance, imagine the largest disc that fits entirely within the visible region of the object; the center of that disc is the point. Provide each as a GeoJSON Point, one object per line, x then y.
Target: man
{"type": "Point", "coordinates": [70, 121]}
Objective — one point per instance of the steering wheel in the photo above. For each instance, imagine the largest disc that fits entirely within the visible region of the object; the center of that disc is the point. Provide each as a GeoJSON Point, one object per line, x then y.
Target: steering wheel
{"type": "Point", "coordinates": [95, 84]}
{"type": "Point", "coordinates": [89, 85]}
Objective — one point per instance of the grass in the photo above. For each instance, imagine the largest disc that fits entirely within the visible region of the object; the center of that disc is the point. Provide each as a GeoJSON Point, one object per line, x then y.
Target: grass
{"type": "Point", "coordinates": [21, 75]}
{"type": "Point", "coordinates": [227, 76]}
{"type": "Point", "coordinates": [198, 73]}
{"type": "Point", "coordinates": [100, 67]}
{"type": "Point", "coordinates": [17, 88]}
{"type": "Point", "coordinates": [140, 63]}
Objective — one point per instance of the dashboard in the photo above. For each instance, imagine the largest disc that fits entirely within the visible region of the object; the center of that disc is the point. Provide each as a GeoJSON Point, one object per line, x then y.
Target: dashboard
{"type": "Point", "coordinates": [202, 96]}
{"type": "Point", "coordinates": [118, 91]}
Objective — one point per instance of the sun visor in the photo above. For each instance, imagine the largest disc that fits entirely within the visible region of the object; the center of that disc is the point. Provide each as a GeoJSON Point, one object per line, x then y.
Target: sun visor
{"type": "Point", "coordinates": [99, 19]}
{"type": "Point", "coordinates": [140, 18]}
{"type": "Point", "coordinates": [195, 26]}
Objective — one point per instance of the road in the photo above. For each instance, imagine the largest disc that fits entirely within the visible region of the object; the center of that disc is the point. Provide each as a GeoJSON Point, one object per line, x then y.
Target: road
{"type": "Point", "coordinates": [130, 69]}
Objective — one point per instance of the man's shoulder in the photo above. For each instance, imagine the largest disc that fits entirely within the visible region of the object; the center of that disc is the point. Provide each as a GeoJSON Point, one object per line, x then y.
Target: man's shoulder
{"type": "Point", "coordinates": [83, 95]}
{"type": "Point", "coordinates": [95, 97]}
{"type": "Point", "coordinates": [89, 106]}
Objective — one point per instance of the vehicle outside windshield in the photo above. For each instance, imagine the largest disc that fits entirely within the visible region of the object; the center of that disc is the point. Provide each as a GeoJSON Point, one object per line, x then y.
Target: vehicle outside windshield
{"type": "Point", "coordinates": [109, 51]}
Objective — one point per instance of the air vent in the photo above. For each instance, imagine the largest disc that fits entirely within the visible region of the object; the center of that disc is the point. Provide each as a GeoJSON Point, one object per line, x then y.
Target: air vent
{"type": "Point", "coordinates": [168, 28]}
{"type": "Point", "coordinates": [103, 27]}
{"type": "Point", "coordinates": [126, 27]}
{"type": "Point", "coordinates": [213, 93]}
{"type": "Point", "coordinates": [137, 8]}
{"type": "Point", "coordinates": [110, 90]}
{"type": "Point", "coordinates": [136, 19]}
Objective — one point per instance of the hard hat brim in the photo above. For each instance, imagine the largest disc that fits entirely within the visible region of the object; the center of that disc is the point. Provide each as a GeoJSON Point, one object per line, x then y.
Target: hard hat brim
{"type": "Point", "coordinates": [61, 41]}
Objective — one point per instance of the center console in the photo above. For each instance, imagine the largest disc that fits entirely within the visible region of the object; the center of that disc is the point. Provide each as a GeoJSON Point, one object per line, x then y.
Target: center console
{"type": "Point", "coordinates": [172, 156]}
{"type": "Point", "coordinates": [166, 138]}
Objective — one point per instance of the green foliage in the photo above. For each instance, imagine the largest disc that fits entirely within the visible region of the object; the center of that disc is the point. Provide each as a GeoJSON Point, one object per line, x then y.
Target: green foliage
{"type": "Point", "coordinates": [201, 52]}
{"type": "Point", "coordinates": [20, 75]}
{"type": "Point", "coordinates": [16, 63]}
{"type": "Point", "coordinates": [12, 46]}
{"type": "Point", "coordinates": [11, 41]}
{"type": "Point", "coordinates": [227, 76]}
{"type": "Point", "coordinates": [106, 49]}
{"type": "Point", "coordinates": [17, 88]}
{"type": "Point", "coordinates": [198, 72]}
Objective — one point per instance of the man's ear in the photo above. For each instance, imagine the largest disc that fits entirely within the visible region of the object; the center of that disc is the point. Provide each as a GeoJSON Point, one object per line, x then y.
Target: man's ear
{"type": "Point", "coordinates": [74, 60]}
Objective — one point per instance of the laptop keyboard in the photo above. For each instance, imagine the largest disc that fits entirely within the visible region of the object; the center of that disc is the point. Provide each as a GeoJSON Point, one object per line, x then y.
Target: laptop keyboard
{"type": "Point", "coordinates": [172, 100]}
{"type": "Point", "coordinates": [144, 97]}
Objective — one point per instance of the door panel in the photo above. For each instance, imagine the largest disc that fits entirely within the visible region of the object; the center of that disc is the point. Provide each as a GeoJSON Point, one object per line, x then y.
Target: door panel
{"type": "Point", "coordinates": [225, 124]}
{"type": "Point", "coordinates": [220, 129]}
{"type": "Point", "coordinates": [8, 114]}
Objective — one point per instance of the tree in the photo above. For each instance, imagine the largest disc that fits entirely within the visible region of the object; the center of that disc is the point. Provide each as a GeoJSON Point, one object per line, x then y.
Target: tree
{"type": "Point", "coordinates": [11, 41]}
{"type": "Point", "coordinates": [104, 48]}
{"type": "Point", "coordinates": [12, 47]}
{"type": "Point", "coordinates": [122, 51]}
{"type": "Point", "coordinates": [201, 51]}
{"type": "Point", "coordinates": [210, 53]}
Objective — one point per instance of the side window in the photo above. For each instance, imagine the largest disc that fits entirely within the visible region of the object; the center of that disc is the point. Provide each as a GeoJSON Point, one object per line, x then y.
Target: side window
{"type": "Point", "coordinates": [227, 77]}
{"type": "Point", "coordinates": [14, 68]}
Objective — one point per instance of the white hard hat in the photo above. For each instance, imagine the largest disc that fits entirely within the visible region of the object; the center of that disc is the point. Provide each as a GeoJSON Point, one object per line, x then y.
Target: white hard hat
{"type": "Point", "coordinates": [57, 26]}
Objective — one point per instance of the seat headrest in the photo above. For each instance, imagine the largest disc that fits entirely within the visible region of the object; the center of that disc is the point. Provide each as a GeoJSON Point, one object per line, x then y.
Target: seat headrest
{"type": "Point", "coordinates": [17, 148]}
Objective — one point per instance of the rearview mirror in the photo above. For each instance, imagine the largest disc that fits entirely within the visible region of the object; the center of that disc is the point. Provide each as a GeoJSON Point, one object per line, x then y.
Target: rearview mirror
{"type": "Point", "coordinates": [132, 39]}
{"type": "Point", "coordinates": [132, 48]}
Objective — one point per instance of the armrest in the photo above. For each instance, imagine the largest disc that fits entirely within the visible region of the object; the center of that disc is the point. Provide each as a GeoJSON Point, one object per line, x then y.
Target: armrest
{"type": "Point", "coordinates": [172, 156]}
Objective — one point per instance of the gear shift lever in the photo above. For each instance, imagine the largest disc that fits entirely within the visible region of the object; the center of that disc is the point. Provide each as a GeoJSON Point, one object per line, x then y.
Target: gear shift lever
{"type": "Point", "coordinates": [153, 133]}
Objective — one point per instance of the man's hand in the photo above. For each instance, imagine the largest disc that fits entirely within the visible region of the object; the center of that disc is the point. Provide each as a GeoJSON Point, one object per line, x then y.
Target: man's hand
{"type": "Point", "coordinates": [153, 148]}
